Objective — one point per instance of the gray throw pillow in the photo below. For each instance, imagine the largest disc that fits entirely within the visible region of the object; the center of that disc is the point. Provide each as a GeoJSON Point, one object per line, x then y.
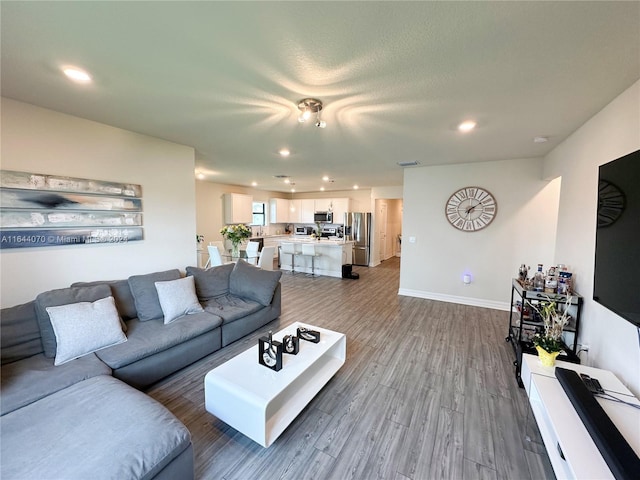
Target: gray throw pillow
{"type": "Point", "coordinates": [121, 294]}
{"type": "Point", "coordinates": [211, 282]}
{"type": "Point", "coordinates": [178, 298]}
{"type": "Point", "coordinates": [63, 296]}
{"type": "Point", "coordinates": [143, 288]}
{"type": "Point", "coordinates": [254, 283]}
{"type": "Point", "coordinates": [85, 327]}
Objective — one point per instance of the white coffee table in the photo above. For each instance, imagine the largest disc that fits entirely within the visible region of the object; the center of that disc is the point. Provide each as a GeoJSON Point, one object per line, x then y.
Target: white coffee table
{"type": "Point", "coordinates": [262, 403]}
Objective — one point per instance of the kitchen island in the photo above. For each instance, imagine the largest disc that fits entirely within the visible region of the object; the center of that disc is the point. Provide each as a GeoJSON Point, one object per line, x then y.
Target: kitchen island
{"type": "Point", "coordinates": [332, 254]}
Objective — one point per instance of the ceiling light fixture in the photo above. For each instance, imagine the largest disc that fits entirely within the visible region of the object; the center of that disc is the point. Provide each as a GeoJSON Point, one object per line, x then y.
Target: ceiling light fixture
{"type": "Point", "coordinates": [309, 106]}
{"type": "Point", "coordinates": [76, 74]}
{"type": "Point", "coordinates": [254, 184]}
{"type": "Point", "coordinates": [467, 126]}
{"type": "Point", "coordinates": [284, 152]}
{"type": "Point", "coordinates": [322, 189]}
{"type": "Point", "coordinates": [356, 187]}
{"type": "Point", "coordinates": [200, 176]}
{"type": "Point", "coordinates": [540, 139]}
{"type": "Point", "coordinates": [325, 178]}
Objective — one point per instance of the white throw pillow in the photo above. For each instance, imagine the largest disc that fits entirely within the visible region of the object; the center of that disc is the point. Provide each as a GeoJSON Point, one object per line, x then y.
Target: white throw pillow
{"type": "Point", "coordinates": [85, 327]}
{"type": "Point", "coordinates": [178, 298]}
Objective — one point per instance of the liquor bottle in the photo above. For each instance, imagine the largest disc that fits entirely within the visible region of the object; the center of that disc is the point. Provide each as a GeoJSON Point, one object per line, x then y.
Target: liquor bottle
{"type": "Point", "coordinates": [538, 280]}
{"type": "Point", "coordinates": [551, 281]}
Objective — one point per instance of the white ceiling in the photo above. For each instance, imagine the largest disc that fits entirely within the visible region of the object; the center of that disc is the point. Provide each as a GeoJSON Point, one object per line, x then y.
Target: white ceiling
{"type": "Point", "coordinates": [395, 78]}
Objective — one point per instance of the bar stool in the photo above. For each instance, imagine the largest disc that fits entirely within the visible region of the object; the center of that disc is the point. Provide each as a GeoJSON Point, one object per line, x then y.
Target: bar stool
{"type": "Point", "coordinates": [309, 250]}
{"type": "Point", "coordinates": [288, 248]}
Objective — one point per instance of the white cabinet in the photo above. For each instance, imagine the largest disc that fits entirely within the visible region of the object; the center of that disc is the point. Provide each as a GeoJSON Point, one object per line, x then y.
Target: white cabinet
{"type": "Point", "coordinates": [307, 209]}
{"type": "Point", "coordinates": [238, 208]}
{"type": "Point", "coordinates": [295, 214]}
{"type": "Point", "coordinates": [279, 210]}
{"type": "Point", "coordinates": [340, 207]}
{"type": "Point", "coordinates": [322, 204]}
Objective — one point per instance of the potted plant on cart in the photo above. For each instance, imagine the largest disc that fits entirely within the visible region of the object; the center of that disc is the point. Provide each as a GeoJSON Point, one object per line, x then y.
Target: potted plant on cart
{"type": "Point", "coordinates": [549, 343]}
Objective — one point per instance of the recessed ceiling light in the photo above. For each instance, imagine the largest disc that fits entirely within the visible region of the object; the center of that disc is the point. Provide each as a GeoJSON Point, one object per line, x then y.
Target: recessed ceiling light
{"type": "Point", "coordinates": [284, 152]}
{"type": "Point", "coordinates": [325, 178]}
{"type": "Point", "coordinates": [293, 190]}
{"type": "Point", "coordinates": [287, 180]}
{"type": "Point", "coordinates": [200, 176]}
{"type": "Point", "coordinates": [355, 187]}
{"type": "Point", "coordinates": [254, 184]}
{"type": "Point", "coordinates": [322, 189]}
{"type": "Point", "coordinates": [76, 74]}
{"type": "Point", "coordinates": [467, 126]}
{"type": "Point", "coordinates": [540, 139]}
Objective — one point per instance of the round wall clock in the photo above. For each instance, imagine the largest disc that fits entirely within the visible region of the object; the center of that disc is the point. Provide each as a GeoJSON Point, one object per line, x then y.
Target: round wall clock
{"type": "Point", "coordinates": [611, 203]}
{"type": "Point", "coordinates": [471, 209]}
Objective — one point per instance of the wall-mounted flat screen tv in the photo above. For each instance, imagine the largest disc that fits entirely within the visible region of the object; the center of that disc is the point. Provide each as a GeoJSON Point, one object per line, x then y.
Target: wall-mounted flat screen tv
{"type": "Point", "coordinates": [617, 259]}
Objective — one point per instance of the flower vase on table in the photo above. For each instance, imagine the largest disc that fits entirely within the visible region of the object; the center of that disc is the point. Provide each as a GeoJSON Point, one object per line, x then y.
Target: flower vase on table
{"type": "Point", "coordinates": [235, 234]}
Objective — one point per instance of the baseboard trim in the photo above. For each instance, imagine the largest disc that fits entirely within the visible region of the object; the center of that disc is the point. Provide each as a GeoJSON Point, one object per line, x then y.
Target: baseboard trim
{"type": "Point", "coordinates": [442, 297]}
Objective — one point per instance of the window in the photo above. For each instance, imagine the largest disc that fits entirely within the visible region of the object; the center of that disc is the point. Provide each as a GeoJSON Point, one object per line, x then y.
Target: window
{"type": "Point", "coordinates": [258, 214]}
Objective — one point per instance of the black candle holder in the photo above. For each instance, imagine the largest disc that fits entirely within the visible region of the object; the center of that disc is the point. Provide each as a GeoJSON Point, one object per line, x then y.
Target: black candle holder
{"type": "Point", "coordinates": [308, 335]}
{"type": "Point", "coordinates": [291, 344]}
{"type": "Point", "coordinates": [270, 352]}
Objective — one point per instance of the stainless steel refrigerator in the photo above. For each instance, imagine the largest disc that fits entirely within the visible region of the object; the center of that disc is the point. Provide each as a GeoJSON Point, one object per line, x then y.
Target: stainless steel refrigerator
{"type": "Point", "coordinates": [357, 227]}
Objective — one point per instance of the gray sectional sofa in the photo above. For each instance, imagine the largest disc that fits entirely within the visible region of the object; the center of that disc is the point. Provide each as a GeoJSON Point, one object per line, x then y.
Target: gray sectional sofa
{"type": "Point", "coordinates": [71, 357]}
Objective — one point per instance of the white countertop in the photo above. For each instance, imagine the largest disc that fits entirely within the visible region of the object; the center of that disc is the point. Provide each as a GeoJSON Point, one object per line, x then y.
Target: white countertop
{"type": "Point", "coordinates": [322, 243]}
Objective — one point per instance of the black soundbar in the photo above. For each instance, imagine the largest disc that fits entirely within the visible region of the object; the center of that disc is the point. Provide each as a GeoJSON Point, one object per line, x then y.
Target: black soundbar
{"type": "Point", "coordinates": [616, 451]}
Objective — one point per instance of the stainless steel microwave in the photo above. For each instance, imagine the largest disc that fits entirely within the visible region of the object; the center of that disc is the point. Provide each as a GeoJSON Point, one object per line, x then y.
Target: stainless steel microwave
{"type": "Point", "coordinates": [324, 217]}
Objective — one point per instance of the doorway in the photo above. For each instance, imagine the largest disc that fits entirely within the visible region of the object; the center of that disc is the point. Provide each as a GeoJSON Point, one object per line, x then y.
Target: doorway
{"type": "Point", "coordinates": [388, 228]}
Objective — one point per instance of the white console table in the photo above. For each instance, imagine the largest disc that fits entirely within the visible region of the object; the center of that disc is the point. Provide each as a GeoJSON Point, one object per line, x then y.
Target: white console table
{"type": "Point", "coordinates": [561, 428]}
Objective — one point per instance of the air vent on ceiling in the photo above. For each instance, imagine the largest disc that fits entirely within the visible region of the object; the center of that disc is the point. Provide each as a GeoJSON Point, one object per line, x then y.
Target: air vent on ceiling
{"type": "Point", "coordinates": [411, 163]}
{"type": "Point", "coordinates": [281, 176]}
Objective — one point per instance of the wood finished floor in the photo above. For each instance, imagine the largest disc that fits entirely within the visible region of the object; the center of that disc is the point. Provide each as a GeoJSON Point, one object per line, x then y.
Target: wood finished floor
{"type": "Point", "coordinates": [427, 392]}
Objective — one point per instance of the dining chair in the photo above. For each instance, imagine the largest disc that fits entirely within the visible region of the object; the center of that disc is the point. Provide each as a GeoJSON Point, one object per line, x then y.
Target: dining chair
{"type": "Point", "coordinates": [219, 244]}
{"type": "Point", "coordinates": [266, 258]}
{"type": "Point", "coordinates": [215, 258]}
{"type": "Point", "coordinates": [252, 252]}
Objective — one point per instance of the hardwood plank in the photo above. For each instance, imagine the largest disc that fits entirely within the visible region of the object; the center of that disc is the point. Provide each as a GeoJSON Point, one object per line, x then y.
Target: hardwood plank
{"type": "Point", "coordinates": [447, 457]}
{"type": "Point", "coordinates": [427, 391]}
{"type": "Point", "coordinates": [475, 471]}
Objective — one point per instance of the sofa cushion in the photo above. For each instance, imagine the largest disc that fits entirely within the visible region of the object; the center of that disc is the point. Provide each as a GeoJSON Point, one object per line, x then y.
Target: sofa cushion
{"type": "Point", "coordinates": [20, 333]}
{"type": "Point", "coordinates": [33, 378]}
{"type": "Point", "coordinates": [230, 307]}
{"type": "Point", "coordinates": [178, 298]}
{"type": "Point", "coordinates": [123, 434]}
{"type": "Point", "coordinates": [211, 282]}
{"type": "Point", "coordinates": [153, 336]}
{"type": "Point", "coordinates": [63, 296]}
{"type": "Point", "coordinates": [145, 294]}
{"type": "Point", "coordinates": [85, 327]}
{"type": "Point", "coordinates": [121, 293]}
{"type": "Point", "coordinates": [254, 283]}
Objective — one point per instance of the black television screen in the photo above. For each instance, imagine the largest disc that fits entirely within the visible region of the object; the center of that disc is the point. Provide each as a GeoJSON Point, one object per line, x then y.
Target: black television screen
{"type": "Point", "coordinates": [617, 260]}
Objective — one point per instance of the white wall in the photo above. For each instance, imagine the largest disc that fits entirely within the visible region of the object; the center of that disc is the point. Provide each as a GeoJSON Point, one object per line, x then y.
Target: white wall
{"type": "Point", "coordinates": [612, 133]}
{"type": "Point", "coordinates": [43, 141]}
{"type": "Point", "coordinates": [522, 232]}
